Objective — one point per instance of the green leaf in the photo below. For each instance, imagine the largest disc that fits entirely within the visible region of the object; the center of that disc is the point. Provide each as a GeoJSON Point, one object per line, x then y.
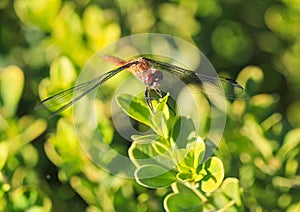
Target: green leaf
{"type": "Point", "coordinates": [197, 149]}
{"type": "Point", "coordinates": [291, 141]}
{"type": "Point", "coordinates": [185, 176]}
{"type": "Point", "coordinates": [182, 130]}
{"type": "Point", "coordinates": [188, 174]}
{"type": "Point", "coordinates": [99, 27]}
{"type": "Point", "coordinates": [159, 124]}
{"type": "Point", "coordinates": [253, 130]}
{"type": "Point", "coordinates": [31, 129]}
{"type": "Point", "coordinates": [251, 78]}
{"type": "Point", "coordinates": [161, 148]}
{"type": "Point", "coordinates": [4, 150]}
{"type": "Point", "coordinates": [228, 196]}
{"type": "Point", "coordinates": [180, 187]}
{"type": "Point", "coordinates": [62, 72]}
{"type": "Point", "coordinates": [150, 137]}
{"type": "Point", "coordinates": [181, 202]}
{"type": "Point", "coordinates": [213, 179]}
{"type": "Point", "coordinates": [154, 176]}
{"type": "Point", "coordinates": [148, 150]}
{"type": "Point", "coordinates": [161, 142]}
{"type": "Point", "coordinates": [11, 88]}
{"type": "Point", "coordinates": [37, 13]}
{"type": "Point", "coordinates": [230, 187]}
{"type": "Point", "coordinates": [180, 156]}
{"type": "Point", "coordinates": [190, 160]}
{"type": "Point", "coordinates": [200, 175]}
{"type": "Point", "coordinates": [25, 198]}
{"type": "Point", "coordinates": [134, 107]}
{"type": "Point", "coordinates": [62, 76]}
{"type": "Point", "coordinates": [162, 106]}
{"type": "Point", "coordinates": [294, 207]}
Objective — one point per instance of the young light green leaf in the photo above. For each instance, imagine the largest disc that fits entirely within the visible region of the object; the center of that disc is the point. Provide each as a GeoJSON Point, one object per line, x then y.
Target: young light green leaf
{"type": "Point", "coordinates": [200, 175]}
{"type": "Point", "coordinates": [38, 13]}
{"type": "Point", "coordinates": [197, 148]}
{"type": "Point", "coordinates": [162, 106]}
{"type": "Point", "coordinates": [215, 175]}
{"type": "Point", "coordinates": [185, 176]}
{"type": "Point", "coordinates": [4, 151]}
{"type": "Point", "coordinates": [11, 88]}
{"type": "Point", "coordinates": [190, 159]}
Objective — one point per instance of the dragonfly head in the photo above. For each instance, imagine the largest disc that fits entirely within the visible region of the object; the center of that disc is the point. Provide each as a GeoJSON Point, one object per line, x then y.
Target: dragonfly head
{"type": "Point", "coordinates": [154, 78]}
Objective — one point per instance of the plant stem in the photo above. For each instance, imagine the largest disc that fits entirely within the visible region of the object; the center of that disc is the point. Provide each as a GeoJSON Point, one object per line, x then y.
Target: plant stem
{"type": "Point", "coordinates": [226, 207]}
{"type": "Point", "coordinates": [199, 194]}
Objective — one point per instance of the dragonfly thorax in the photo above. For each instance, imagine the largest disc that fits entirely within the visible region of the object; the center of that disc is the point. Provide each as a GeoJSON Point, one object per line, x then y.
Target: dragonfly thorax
{"type": "Point", "coordinates": [139, 67]}
{"type": "Point", "coordinates": [143, 71]}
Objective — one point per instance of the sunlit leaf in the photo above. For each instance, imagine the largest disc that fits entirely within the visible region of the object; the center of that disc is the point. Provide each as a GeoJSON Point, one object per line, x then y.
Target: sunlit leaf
{"type": "Point", "coordinates": [254, 132]}
{"type": "Point", "coordinates": [162, 106]}
{"type": "Point", "coordinates": [291, 141]}
{"type": "Point", "coordinates": [99, 26]}
{"type": "Point", "coordinates": [11, 88]}
{"type": "Point", "coordinates": [37, 13]}
{"type": "Point", "coordinates": [185, 176]}
{"type": "Point", "coordinates": [62, 72]}
{"type": "Point", "coordinates": [27, 198]}
{"type": "Point", "coordinates": [251, 78]}
{"type": "Point", "coordinates": [3, 154]}
{"type": "Point", "coordinates": [197, 147]}
{"type": "Point", "coordinates": [215, 175]}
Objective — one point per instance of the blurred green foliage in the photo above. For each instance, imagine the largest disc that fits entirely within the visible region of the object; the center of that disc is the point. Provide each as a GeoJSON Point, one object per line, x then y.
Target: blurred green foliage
{"type": "Point", "coordinates": [45, 44]}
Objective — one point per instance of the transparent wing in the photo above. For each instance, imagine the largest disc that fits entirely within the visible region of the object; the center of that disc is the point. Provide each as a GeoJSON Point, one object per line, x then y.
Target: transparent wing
{"type": "Point", "coordinates": [66, 98]}
{"type": "Point", "coordinates": [208, 84]}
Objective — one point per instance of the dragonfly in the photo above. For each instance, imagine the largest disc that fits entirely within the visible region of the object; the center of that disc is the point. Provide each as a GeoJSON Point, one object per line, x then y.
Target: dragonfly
{"type": "Point", "coordinates": [150, 72]}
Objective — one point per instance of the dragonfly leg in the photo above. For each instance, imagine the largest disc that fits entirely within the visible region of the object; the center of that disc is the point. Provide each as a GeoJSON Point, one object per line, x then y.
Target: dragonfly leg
{"type": "Point", "coordinates": [149, 99]}
{"type": "Point", "coordinates": [158, 91]}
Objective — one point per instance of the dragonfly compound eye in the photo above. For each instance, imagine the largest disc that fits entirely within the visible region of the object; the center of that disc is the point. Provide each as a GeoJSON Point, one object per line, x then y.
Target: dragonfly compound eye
{"type": "Point", "coordinates": [157, 76]}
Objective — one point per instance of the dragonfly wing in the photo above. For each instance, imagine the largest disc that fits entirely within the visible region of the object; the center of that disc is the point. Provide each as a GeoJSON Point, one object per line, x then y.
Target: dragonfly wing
{"type": "Point", "coordinates": [65, 99]}
{"type": "Point", "coordinates": [62, 97]}
{"type": "Point", "coordinates": [223, 86]}
{"type": "Point", "coordinates": [186, 75]}
{"type": "Point", "coordinates": [208, 84]}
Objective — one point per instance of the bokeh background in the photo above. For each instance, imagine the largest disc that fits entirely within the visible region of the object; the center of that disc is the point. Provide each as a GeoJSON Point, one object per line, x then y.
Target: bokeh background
{"type": "Point", "coordinates": [45, 44]}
